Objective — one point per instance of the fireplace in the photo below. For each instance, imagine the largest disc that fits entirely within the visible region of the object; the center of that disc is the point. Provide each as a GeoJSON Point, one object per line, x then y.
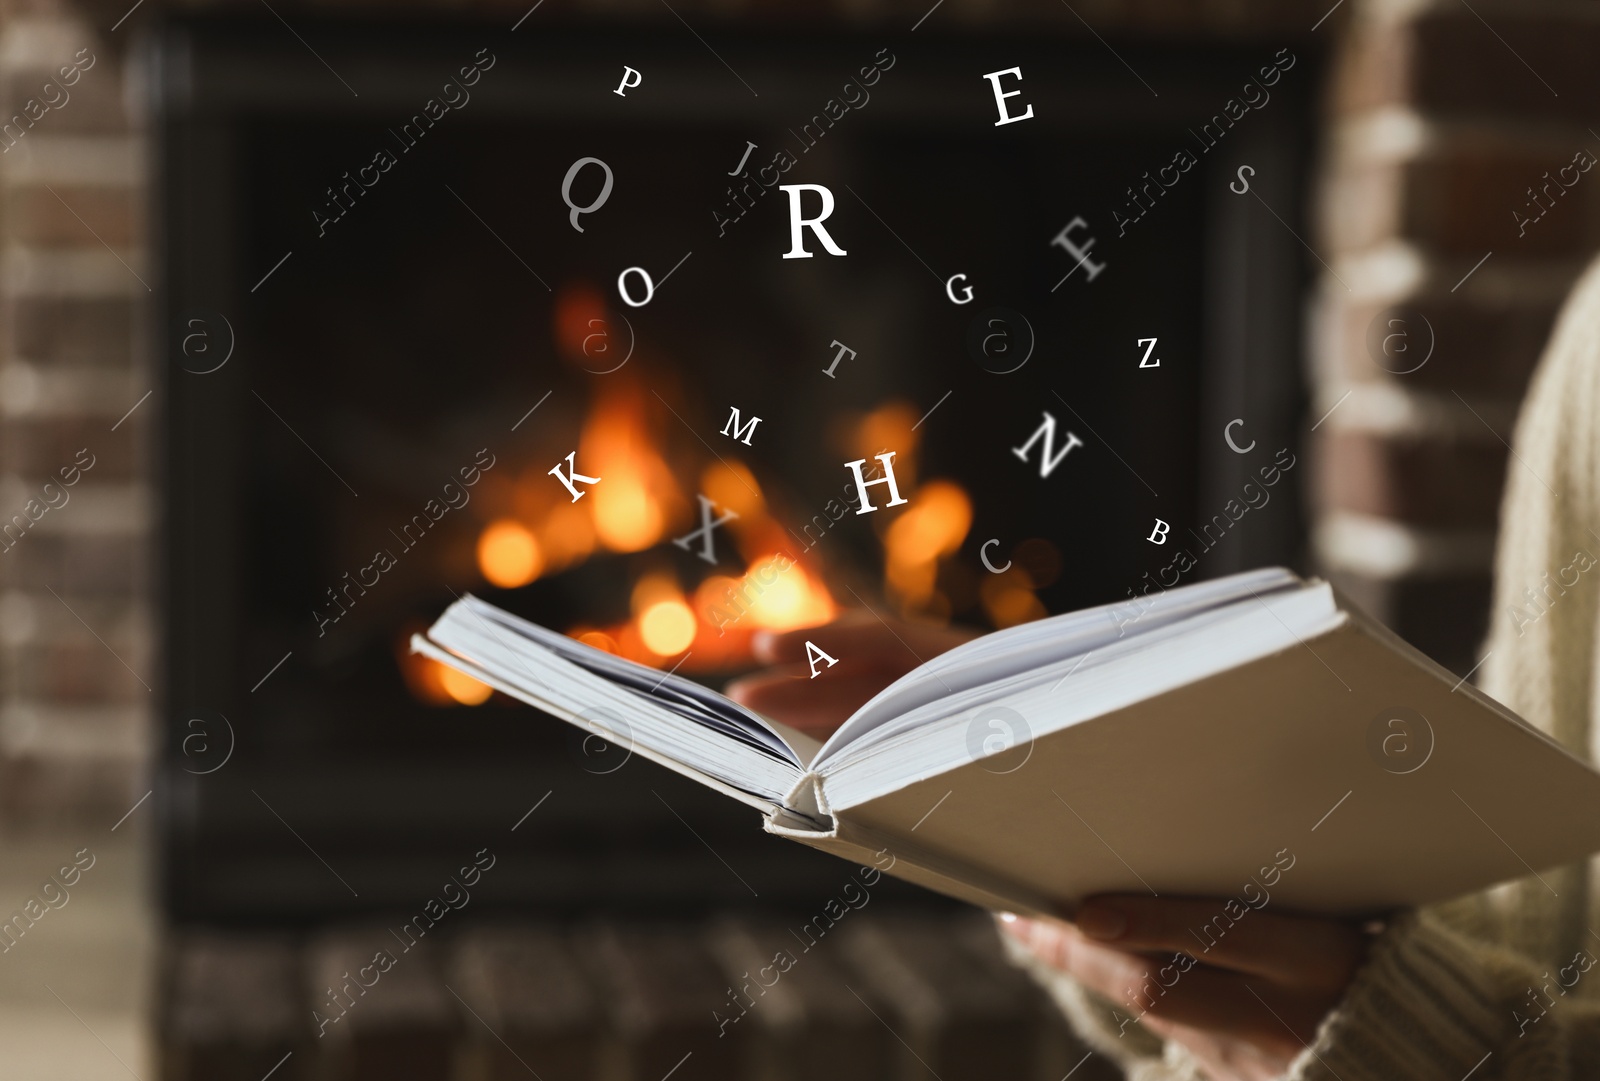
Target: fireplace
{"type": "Point", "coordinates": [391, 340]}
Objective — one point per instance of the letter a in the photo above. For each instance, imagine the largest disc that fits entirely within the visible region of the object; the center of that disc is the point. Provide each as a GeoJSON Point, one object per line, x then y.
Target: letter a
{"type": "Point", "coordinates": [862, 484]}
{"type": "Point", "coordinates": [1049, 460]}
{"type": "Point", "coordinates": [797, 248]}
{"type": "Point", "coordinates": [707, 524]}
{"type": "Point", "coordinates": [813, 655]}
{"type": "Point", "coordinates": [1158, 535]}
{"type": "Point", "coordinates": [571, 475]}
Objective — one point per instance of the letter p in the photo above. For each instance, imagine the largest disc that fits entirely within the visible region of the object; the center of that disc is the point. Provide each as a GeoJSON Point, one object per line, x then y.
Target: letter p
{"type": "Point", "coordinates": [625, 85]}
{"type": "Point", "coordinates": [797, 248]}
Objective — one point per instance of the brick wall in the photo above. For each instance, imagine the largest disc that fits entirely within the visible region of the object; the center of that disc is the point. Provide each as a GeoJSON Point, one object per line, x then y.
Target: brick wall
{"type": "Point", "coordinates": [77, 666]}
{"type": "Point", "coordinates": [1439, 123]}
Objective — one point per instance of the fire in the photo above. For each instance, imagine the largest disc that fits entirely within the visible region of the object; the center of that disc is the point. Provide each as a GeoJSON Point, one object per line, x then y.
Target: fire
{"type": "Point", "coordinates": [666, 622]}
{"type": "Point", "coordinates": [789, 600]}
{"type": "Point", "coordinates": [1008, 599]}
{"type": "Point", "coordinates": [508, 554]}
{"type": "Point", "coordinates": [731, 486]}
{"type": "Point", "coordinates": [636, 495]}
{"type": "Point", "coordinates": [463, 688]}
{"type": "Point", "coordinates": [931, 528]}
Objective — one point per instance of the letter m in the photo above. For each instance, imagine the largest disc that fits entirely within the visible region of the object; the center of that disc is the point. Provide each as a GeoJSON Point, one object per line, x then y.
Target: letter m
{"type": "Point", "coordinates": [744, 433]}
{"type": "Point", "coordinates": [1050, 459]}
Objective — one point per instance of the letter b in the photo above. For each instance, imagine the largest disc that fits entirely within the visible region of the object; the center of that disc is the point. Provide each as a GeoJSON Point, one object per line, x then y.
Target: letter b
{"type": "Point", "coordinates": [797, 248]}
{"type": "Point", "coordinates": [1158, 535]}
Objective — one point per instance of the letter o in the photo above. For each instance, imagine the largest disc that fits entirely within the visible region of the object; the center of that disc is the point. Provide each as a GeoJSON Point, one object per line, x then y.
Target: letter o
{"type": "Point", "coordinates": [649, 287]}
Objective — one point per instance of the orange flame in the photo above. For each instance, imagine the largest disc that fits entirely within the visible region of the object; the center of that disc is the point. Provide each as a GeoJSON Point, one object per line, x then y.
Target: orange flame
{"type": "Point", "coordinates": [508, 554]}
{"type": "Point", "coordinates": [932, 528]}
{"type": "Point", "coordinates": [636, 495]}
{"type": "Point", "coordinates": [666, 623]}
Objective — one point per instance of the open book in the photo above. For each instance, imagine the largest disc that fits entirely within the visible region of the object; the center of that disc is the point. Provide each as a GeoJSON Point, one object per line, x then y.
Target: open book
{"type": "Point", "coordinates": [1250, 736]}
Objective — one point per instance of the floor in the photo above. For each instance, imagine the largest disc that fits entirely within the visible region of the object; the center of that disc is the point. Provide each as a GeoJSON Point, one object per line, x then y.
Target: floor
{"type": "Point", "coordinates": [73, 986]}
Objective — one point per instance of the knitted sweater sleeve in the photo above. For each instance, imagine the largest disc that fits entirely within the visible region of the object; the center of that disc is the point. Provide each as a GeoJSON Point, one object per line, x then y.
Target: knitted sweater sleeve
{"type": "Point", "coordinates": [1428, 1005]}
{"type": "Point", "coordinates": [1431, 1004]}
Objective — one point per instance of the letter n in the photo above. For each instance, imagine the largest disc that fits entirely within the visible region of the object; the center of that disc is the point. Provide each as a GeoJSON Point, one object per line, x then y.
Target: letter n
{"type": "Point", "coordinates": [1050, 459]}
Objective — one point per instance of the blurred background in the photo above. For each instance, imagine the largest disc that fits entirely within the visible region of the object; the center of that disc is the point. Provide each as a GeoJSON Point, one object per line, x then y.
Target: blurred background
{"type": "Point", "coordinates": [269, 361]}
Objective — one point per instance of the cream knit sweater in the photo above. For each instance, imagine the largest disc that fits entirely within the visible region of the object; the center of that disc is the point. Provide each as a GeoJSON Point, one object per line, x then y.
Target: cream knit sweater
{"type": "Point", "coordinates": [1475, 985]}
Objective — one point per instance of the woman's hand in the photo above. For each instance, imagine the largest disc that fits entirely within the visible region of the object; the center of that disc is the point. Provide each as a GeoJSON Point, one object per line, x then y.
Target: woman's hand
{"type": "Point", "coordinates": [1245, 1007]}
{"type": "Point", "coordinates": [871, 654]}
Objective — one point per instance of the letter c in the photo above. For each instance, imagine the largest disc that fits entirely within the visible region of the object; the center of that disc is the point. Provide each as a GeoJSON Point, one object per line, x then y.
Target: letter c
{"type": "Point", "coordinates": [983, 554]}
{"type": "Point", "coordinates": [949, 289]}
{"type": "Point", "coordinates": [1227, 434]}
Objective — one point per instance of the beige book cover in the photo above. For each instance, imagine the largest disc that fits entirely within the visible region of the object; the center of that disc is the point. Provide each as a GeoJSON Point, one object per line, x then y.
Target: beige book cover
{"type": "Point", "coordinates": [1338, 772]}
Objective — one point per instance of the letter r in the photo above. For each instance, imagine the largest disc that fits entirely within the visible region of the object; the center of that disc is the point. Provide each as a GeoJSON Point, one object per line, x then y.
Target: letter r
{"type": "Point", "coordinates": [797, 248]}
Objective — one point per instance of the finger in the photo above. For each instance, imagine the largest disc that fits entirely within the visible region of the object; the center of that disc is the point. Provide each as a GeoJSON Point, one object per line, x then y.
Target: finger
{"type": "Point", "coordinates": [1298, 951]}
{"type": "Point", "coordinates": [1197, 996]}
{"type": "Point", "coordinates": [789, 695]}
{"type": "Point", "coordinates": [863, 635]}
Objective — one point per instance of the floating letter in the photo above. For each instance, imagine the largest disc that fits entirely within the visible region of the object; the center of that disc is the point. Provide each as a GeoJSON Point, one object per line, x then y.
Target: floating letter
{"type": "Point", "coordinates": [888, 478]}
{"type": "Point", "coordinates": [813, 655]}
{"type": "Point", "coordinates": [625, 84]}
{"type": "Point", "coordinates": [837, 357]}
{"type": "Point", "coordinates": [796, 222]}
{"type": "Point", "coordinates": [600, 200]}
{"type": "Point", "coordinates": [1158, 535]}
{"type": "Point", "coordinates": [649, 286]}
{"type": "Point", "coordinates": [1144, 361]}
{"type": "Point", "coordinates": [1080, 254]}
{"type": "Point", "coordinates": [949, 289]}
{"type": "Point", "coordinates": [571, 475]}
{"type": "Point", "coordinates": [707, 524]}
{"type": "Point", "coordinates": [1049, 460]}
{"type": "Point", "coordinates": [743, 434]}
{"type": "Point", "coordinates": [737, 169]}
{"type": "Point", "coordinates": [1000, 99]}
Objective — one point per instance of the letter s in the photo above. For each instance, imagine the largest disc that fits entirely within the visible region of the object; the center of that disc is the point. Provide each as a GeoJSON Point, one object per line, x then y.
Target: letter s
{"type": "Point", "coordinates": [1235, 188]}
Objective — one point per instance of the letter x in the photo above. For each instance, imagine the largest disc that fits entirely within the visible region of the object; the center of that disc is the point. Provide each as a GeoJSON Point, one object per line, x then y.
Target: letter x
{"type": "Point", "coordinates": [708, 551]}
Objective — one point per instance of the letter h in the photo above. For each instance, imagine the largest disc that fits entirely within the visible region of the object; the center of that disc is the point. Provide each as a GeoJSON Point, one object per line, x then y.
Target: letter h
{"type": "Point", "coordinates": [862, 484]}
